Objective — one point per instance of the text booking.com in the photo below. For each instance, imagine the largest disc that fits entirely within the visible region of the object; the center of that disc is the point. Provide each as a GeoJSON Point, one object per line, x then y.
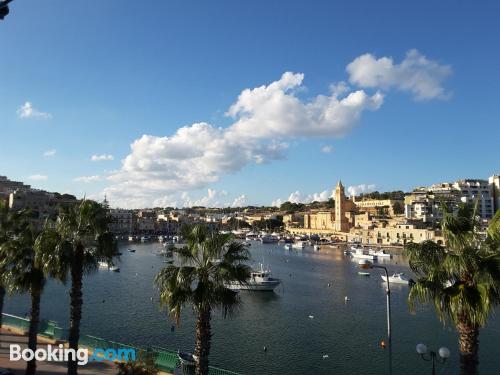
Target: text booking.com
{"type": "Point", "coordinates": [61, 354]}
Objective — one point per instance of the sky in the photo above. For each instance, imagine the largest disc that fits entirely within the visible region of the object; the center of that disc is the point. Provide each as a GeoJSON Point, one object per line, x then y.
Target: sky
{"type": "Point", "coordinates": [231, 103]}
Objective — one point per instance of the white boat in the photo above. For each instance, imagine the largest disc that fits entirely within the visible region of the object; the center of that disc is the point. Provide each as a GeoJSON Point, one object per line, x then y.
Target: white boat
{"type": "Point", "coordinates": [268, 238]}
{"type": "Point", "coordinates": [160, 239]}
{"type": "Point", "coordinates": [131, 238]}
{"type": "Point", "coordinates": [316, 247]}
{"type": "Point", "coordinates": [250, 236]}
{"type": "Point", "coordinates": [396, 278]}
{"type": "Point", "coordinates": [360, 253]}
{"type": "Point", "coordinates": [288, 246]}
{"type": "Point", "coordinates": [379, 253]}
{"type": "Point", "coordinates": [145, 239]}
{"type": "Point", "coordinates": [260, 280]}
{"type": "Point", "coordinates": [299, 245]}
{"type": "Point", "coordinates": [108, 266]}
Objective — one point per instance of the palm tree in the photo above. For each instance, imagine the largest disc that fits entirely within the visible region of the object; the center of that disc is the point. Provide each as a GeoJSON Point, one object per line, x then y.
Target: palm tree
{"type": "Point", "coordinates": [462, 280]}
{"type": "Point", "coordinates": [144, 365]}
{"type": "Point", "coordinates": [80, 240]}
{"type": "Point", "coordinates": [20, 273]}
{"type": "Point", "coordinates": [5, 223]}
{"type": "Point", "coordinates": [208, 262]}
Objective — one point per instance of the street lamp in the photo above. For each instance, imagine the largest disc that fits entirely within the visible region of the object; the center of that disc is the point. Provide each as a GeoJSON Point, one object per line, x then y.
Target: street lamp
{"type": "Point", "coordinates": [444, 354]}
{"type": "Point", "coordinates": [4, 8]}
{"type": "Point", "coordinates": [366, 264]}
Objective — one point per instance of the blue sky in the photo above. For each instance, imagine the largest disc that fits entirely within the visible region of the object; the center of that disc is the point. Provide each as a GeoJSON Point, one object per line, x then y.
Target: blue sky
{"type": "Point", "coordinates": [98, 75]}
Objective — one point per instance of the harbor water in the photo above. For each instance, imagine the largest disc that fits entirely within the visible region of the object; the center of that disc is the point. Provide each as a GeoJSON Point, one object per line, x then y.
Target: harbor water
{"type": "Point", "coordinates": [306, 325]}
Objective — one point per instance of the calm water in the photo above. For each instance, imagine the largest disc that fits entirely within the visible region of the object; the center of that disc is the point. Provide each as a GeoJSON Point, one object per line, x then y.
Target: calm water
{"type": "Point", "coordinates": [123, 307]}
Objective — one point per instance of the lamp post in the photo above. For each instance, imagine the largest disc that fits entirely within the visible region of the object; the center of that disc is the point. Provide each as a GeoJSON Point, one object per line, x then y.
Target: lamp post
{"type": "Point", "coordinates": [443, 352]}
{"type": "Point", "coordinates": [366, 264]}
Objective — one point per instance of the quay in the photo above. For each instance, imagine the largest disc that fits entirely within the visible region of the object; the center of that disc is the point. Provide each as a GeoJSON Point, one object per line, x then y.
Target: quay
{"type": "Point", "coordinates": [14, 331]}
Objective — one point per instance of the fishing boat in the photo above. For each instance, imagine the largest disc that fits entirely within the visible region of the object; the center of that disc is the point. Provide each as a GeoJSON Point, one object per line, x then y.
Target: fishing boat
{"type": "Point", "coordinates": [299, 245]}
{"type": "Point", "coordinates": [379, 253]}
{"type": "Point", "coordinates": [268, 238]}
{"type": "Point", "coordinates": [397, 278]}
{"type": "Point", "coordinates": [260, 280]}
{"type": "Point", "coordinates": [360, 253]}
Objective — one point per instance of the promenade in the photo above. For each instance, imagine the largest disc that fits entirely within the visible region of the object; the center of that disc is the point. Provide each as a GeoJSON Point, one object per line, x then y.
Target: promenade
{"type": "Point", "coordinates": [8, 337]}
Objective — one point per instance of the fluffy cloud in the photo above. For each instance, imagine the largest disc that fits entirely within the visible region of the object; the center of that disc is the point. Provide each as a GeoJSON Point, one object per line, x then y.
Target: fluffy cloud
{"type": "Point", "coordinates": [358, 189]}
{"type": "Point", "coordinates": [101, 157]}
{"type": "Point", "coordinates": [298, 197]}
{"type": "Point", "coordinates": [38, 177]}
{"type": "Point", "coordinates": [27, 111]}
{"type": "Point", "coordinates": [49, 153]}
{"type": "Point", "coordinates": [326, 149]}
{"type": "Point", "coordinates": [87, 179]}
{"type": "Point", "coordinates": [239, 201]}
{"type": "Point", "coordinates": [264, 119]}
{"type": "Point", "coordinates": [416, 74]}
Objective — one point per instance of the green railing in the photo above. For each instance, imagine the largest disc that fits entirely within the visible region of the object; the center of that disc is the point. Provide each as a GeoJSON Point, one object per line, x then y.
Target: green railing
{"type": "Point", "coordinates": [166, 360]}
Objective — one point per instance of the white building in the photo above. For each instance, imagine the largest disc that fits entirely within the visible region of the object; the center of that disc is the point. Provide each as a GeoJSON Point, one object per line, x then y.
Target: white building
{"type": "Point", "coordinates": [494, 182]}
{"type": "Point", "coordinates": [472, 190]}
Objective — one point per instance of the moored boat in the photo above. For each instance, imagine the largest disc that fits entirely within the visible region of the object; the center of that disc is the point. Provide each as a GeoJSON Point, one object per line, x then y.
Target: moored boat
{"type": "Point", "coordinates": [360, 253]}
{"type": "Point", "coordinates": [260, 280]}
{"type": "Point", "coordinates": [397, 278]}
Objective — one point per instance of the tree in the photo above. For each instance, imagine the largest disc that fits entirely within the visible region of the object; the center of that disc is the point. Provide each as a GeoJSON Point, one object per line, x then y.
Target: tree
{"type": "Point", "coordinates": [461, 280]}
{"type": "Point", "coordinates": [4, 236]}
{"type": "Point", "coordinates": [80, 240]}
{"type": "Point", "coordinates": [20, 272]}
{"type": "Point", "coordinates": [144, 365]}
{"type": "Point", "coordinates": [208, 263]}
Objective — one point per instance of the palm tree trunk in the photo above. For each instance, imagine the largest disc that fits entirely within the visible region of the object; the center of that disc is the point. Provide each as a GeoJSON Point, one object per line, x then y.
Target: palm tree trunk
{"type": "Point", "coordinates": [75, 309]}
{"type": "Point", "coordinates": [33, 330]}
{"type": "Point", "coordinates": [469, 345]}
{"type": "Point", "coordinates": [2, 298]}
{"type": "Point", "coordinates": [202, 343]}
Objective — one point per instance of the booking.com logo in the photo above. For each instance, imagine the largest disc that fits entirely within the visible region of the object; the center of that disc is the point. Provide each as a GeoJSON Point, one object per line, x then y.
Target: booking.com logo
{"type": "Point", "coordinates": [61, 354]}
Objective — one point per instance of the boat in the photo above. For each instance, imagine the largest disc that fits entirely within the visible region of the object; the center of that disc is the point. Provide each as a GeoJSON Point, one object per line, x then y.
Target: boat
{"type": "Point", "coordinates": [379, 253]}
{"type": "Point", "coordinates": [299, 245]}
{"type": "Point", "coordinates": [186, 359]}
{"type": "Point", "coordinates": [361, 273]}
{"type": "Point", "coordinates": [168, 261]}
{"type": "Point", "coordinates": [288, 246]}
{"type": "Point", "coordinates": [131, 250]}
{"type": "Point", "coordinates": [161, 239]}
{"type": "Point", "coordinates": [131, 238]}
{"type": "Point", "coordinates": [316, 247]}
{"type": "Point", "coordinates": [396, 278]}
{"type": "Point", "coordinates": [251, 236]}
{"type": "Point", "coordinates": [108, 266]}
{"type": "Point", "coordinates": [260, 280]}
{"type": "Point", "coordinates": [268, 238]}
{"type": "Point", "coordinates": [145, 239]}
{"type": "Point", "coordinates": [360, 253]}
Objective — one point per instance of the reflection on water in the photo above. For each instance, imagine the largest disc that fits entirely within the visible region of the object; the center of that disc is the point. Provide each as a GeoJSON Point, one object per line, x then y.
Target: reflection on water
{"type": "Point", "coordinates": [124, 307]}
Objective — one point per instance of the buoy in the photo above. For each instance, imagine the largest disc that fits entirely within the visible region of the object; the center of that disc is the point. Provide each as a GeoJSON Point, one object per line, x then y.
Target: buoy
{"type": "Point", "coordinates": [265, 348]}
{"type": "Point", "coordinates": [325, 356]}
{"type": "Point", "coordinates": [328, 285]}
{"type": "Point", "coordinates": [346, 299]}
{"type": "Point", "coordinates": [311, 316]}
{"type": "Point", "coordinates": [383, 344]}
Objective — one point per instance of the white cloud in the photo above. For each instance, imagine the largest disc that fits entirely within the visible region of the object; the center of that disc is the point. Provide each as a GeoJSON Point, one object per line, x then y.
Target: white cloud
{"type": "Point", "coordinates": [298, 197]}
{"type": "Point", "coordinates": [38, 177]}
{"type": "Point", "coordinates": [101, 157]}
{"type": "Point", "coordinates": [27, 111]}
{"type": "Point", "coordinates": [277, 202]}
{"type": "Point", "coordinates": [265, 118]}
{"type": "Point", "coordinates": [87, 179]}
{"type": "Point", "coordinates": [326, 149]}
{"type": "Point", "coordinates": [49, 153]}
{"type": "Point", "coordinates": [239, 201]}
{"type": "Point", "coordinates": [416, 74]}
{"type": "Point", "coordinates": [358, 189]}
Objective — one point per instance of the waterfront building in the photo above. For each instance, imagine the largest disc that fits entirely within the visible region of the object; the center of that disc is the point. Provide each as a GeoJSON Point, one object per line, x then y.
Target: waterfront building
{"type": "Point", "coordinates": [122, 221]}
{"type": "Point", "coordinates": [494, 182]}
{"type": "Point", "coordinates": [472, 190]}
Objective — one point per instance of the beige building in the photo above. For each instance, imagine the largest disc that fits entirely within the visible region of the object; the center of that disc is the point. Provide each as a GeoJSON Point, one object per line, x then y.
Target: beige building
{"type": "Point", "coordinates": [495, 188]}
{"type": "Point", "coordinates": [374, 206]}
